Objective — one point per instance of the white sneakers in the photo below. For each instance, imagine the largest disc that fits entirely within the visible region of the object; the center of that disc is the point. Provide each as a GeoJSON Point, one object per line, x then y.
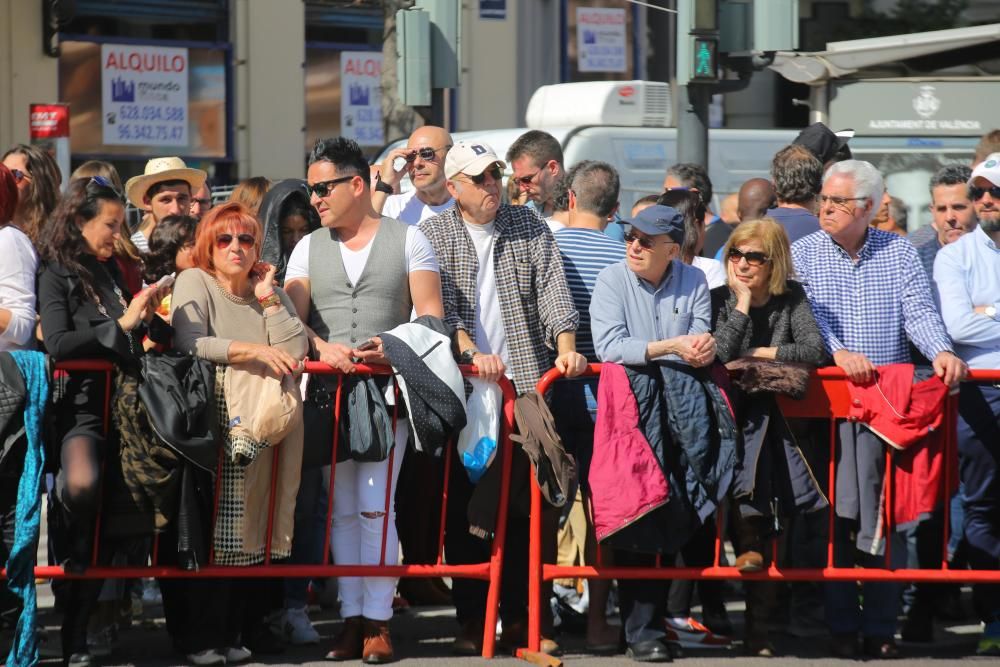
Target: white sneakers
{"type": "Point", "coordinates": [297, 627]}
{"type": "Point", "coordinates": [211, 656]}
{"type": "Point", "coordinates": [207, 657]}
{"type": "Point", "coordinates": [235, 654]}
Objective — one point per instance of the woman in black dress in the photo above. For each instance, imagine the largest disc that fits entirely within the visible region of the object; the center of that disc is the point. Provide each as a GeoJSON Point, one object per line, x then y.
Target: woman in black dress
{"type": "Point", "coordinates": [86, 313]}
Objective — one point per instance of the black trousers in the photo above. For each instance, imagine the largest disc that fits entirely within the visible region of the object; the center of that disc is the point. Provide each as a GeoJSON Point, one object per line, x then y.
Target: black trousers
{"type": "Point", "coordinates": [642, 602]}
{"type": "Point", "coordinates": [469, 595]}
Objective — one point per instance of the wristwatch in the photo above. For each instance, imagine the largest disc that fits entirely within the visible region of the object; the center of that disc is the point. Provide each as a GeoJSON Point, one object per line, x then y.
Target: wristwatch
{"type": "Point", "coordinates": [468, 356]}
{"type": "Point", "coordinates": [382, 186]}
{"type": "Point", "coordinates": [990, 311]}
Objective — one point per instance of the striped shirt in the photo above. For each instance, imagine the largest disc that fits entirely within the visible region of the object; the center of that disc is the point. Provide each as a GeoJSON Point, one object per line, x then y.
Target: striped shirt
{"type": "Point", "coordinates": [585, 252]}
{"type": "Point", "coordinates": [872, 305]}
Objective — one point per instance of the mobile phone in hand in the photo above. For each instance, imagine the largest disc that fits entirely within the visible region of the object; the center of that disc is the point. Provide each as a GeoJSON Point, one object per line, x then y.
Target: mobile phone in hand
{"type": "Point", "coordinates": [165, 281]}
{"type": "Point", "coordinates": [367, 345]}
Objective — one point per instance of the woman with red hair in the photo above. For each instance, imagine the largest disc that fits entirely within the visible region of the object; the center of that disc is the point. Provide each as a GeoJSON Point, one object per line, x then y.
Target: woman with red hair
{"type": "Point", "coordinates": [17, 272]}
{"type": "Point", "coordinates": [228, 310]}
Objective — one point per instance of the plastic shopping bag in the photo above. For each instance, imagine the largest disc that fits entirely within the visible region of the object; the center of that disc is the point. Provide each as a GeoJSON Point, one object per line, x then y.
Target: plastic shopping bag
{"type": "Point", "coordinates": [477, 443]}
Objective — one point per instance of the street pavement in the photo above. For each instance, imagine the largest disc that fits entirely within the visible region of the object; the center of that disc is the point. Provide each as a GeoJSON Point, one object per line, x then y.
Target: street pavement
{"type": "Point", "coordinates": [423, 636]}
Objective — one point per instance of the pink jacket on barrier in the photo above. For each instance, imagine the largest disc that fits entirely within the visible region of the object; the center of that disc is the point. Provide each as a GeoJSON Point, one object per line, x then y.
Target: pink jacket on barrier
{"type": "Point", "coordinates": [621, 452]}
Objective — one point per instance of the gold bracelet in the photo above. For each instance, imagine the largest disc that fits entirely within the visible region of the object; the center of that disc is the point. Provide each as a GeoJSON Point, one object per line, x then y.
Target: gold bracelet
{"type": "Point", "coordinates": [269, 300]}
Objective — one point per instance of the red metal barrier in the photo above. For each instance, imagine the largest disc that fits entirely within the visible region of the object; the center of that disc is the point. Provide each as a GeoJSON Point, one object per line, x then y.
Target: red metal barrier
{"type": "Point", "coordinates": [490, 570]}
{"type": "Point", "coordinates": [828, 397]}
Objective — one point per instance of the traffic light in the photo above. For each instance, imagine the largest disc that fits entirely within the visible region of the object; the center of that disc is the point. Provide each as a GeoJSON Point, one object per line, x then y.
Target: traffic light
{"type": "Point", "coordinates": [697, 41]}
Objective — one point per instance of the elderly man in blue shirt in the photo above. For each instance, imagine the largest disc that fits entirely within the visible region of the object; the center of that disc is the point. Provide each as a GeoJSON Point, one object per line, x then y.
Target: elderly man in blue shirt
{"type": "Point", "coordinates": [648, 307]}
{"type": "Point", "coordinates": [967, 276]}
{"type": "Point", "coordinates": [869, 296]}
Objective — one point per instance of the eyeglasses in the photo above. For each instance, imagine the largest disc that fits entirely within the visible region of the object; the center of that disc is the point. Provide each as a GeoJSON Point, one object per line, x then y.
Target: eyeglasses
{"type": "Point", "coordinates": [20, 175]}
{"type": "Point", "coordinates": [495, 173]}
{"type": "Point", "coordinates": [839, 202]}
{"type": "Point", "coordinates": [323, 188]}
{"type": "Point", "coordinates": [977, 193]}
{"type": "Point", "coordinates": [644, 242]}
{"type": "Point", "coordinates": [753, 257]}
{"type": "Point", "coordinates": [223, 241]}
{"type": "Point", "coordinates": [525, 181]}
{"type": "Point", "coordinates": [426, 153]}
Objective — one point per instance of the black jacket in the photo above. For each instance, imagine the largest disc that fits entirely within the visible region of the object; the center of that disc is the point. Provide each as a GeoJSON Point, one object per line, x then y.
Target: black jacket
{"type": "Point", "coordinates": [273, 250]}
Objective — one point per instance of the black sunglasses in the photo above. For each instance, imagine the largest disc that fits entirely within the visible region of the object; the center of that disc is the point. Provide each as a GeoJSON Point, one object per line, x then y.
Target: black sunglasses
{"type": "Point", "coordinates": [19, 175]}
{"type": "Point", "coordinates": [977, 193]}
{"type": "Point", "coordinates": [644, 241]}
{"type": "Point", "coordinates": [323, 188]}
{"type": "Point", "coordinates": [426, 153]}
{"type": "Point", "coordinates": [495, 173]}
{"type": "Point", "coordinates": [753, 257]}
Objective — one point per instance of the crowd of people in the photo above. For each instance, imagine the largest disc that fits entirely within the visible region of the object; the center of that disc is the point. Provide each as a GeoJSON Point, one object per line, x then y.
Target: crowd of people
{"type": "Point", "coordinates": [813, 266]}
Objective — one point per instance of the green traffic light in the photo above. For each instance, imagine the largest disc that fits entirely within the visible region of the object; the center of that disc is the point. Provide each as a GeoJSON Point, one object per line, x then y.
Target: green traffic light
{"type": "Point", "coordinates": [704, 66]}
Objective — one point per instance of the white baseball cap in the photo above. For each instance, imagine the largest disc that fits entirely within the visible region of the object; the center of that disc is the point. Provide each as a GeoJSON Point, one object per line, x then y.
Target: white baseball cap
{"type": "Point", "coordinates": [988, 169]}
{"type": "Point", "coordinates": [470, 158]}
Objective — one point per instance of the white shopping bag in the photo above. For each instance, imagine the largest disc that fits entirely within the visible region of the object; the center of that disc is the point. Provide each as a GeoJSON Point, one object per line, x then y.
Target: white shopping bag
{"type": "Point", "coordinates": [477, 443]}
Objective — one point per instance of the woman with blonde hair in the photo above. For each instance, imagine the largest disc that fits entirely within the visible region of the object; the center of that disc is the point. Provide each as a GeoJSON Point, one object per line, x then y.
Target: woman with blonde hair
{"type": "Point", "coordinates": [762, 314]}
{"type": "Point", "coordinates": [251, 193]}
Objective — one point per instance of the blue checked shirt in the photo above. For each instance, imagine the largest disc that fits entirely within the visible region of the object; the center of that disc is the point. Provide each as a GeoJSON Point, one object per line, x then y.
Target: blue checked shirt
{"type": "Point", "coordinates": [872, 305]}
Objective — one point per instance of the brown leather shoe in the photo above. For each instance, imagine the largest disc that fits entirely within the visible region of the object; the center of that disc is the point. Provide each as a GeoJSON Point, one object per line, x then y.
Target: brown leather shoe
{"type": "Point", "coordinates": [469, 640]}
{"type": "Point", "coordinates": [515, 636]}
{"type": "Point", "coordinates": [750, 561]}
{"type": "Point", "coordinates": [377, 643]}
{"type": "Point", "coordinates": [348, 643]}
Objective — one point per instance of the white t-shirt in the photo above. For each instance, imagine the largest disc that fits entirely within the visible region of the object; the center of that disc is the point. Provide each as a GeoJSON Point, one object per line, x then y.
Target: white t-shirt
{"type": "Point", "coordinates": [491, 338]}
{"type": "Point", "coordinates": [714, 272]}
{"type": "Point", "coordinates": [408, 208]}
{"type": "Point", "coordinates": [418, 251]}
{"type": "Point", "coordinates": [17, 288]}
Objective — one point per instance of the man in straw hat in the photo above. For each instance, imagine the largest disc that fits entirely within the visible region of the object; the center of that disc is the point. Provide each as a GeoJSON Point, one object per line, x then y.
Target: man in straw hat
{"type": "Point", "coordinates": [163, 189]}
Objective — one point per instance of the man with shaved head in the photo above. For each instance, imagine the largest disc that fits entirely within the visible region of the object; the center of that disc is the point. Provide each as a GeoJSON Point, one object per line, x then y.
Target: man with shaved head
{"type": "Point", "coordinates": [754, 198]}
{"type": "Point", "coordinates": [423, 162]}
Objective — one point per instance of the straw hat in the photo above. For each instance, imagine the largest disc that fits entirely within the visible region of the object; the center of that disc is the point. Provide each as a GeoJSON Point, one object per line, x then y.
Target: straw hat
{"type": "Point", "coordinates": [158, 170]}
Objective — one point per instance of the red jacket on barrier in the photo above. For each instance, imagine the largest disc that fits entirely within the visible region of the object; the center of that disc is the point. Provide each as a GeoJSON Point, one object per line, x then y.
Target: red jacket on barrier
{"type": "Point", "coordinates": [908, 417]}
{"type": "Point", "coordinates": [623, 454]}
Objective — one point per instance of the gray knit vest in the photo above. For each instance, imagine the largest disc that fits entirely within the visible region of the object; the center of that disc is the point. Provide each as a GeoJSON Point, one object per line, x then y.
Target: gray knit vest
{"type": "Point", "coordinates": [342, 312]}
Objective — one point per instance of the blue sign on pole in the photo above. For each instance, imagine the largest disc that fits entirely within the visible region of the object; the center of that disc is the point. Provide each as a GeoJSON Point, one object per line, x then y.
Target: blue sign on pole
{"type": "Point", "coordinates": [493, 9]}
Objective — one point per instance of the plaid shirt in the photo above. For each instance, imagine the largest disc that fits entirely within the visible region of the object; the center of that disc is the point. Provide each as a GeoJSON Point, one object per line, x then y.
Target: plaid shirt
{"type": "Point", "coordinates": [535, 303]}
{"type": "Point", "coordinates": [872, 305]}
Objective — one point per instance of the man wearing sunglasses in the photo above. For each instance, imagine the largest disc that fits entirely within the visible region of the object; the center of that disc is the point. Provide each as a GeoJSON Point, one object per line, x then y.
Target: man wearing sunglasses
{"type": "Point", "coordinates": [358, 275]}
{"type": "Point", "coordinates": [536, 158]}
{"type": "Point", "coordinates": [870, 301]}
{"type": "Point", "coordinates": [423, 161]}
{"type": "Point", "coordinates": [506, 297]}
{"type": "Point", "coordinates": [649, 309]}
{"type": "Point", "coordinates": [967, 277]}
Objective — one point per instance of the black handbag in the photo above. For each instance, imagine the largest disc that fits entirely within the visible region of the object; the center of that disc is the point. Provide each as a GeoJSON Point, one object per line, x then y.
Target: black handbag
{"type": "Point", "coordinates": [178, 391]}
{"type": "Point", "coordinates": [317, 416]}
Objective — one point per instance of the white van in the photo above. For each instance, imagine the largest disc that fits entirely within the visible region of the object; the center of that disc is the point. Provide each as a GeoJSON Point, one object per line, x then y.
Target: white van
{"type": "Point", "coordinates": [625, 139]}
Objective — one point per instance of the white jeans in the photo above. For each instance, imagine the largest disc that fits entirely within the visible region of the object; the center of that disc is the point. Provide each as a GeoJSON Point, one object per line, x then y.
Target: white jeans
{"type": "Point", "coordinates": [359, 512]}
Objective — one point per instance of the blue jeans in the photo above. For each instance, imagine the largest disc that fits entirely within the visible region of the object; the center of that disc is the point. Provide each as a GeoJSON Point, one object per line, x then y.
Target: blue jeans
{"type": "Point", "coordinates": [310, 529]}
{"type": "Point", "coordinates": [979, 467]}
{"type": "Point", "coordinates": [877, 616]}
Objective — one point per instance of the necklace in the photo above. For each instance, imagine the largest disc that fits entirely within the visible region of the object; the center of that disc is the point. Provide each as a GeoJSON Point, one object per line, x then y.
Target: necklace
{"type": "Point", "coordinates": [121, 300]}
{"type": "Point", "coordinates": [241, 300]}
